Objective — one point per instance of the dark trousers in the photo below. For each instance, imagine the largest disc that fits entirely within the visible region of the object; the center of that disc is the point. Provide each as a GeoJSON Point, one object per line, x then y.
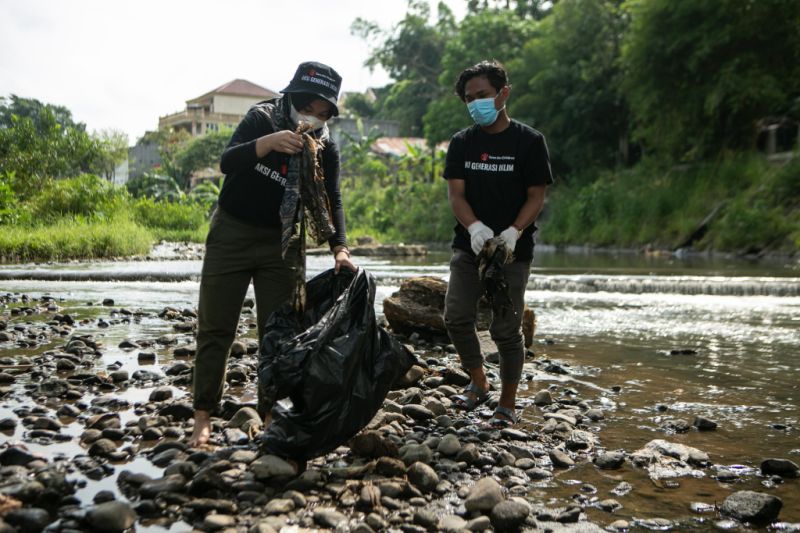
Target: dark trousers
{"type": "Point", "coordinates": [461, 309]}
{"type": "Point", "coordinates": [236, 254]}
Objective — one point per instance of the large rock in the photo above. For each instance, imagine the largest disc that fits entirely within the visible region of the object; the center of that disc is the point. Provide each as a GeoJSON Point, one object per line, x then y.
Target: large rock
{"type": "Point", "coordinates": [665, 459]}
{"type": "Point", "coordinates": [419, 307]}
{"type": "Point", "coordinates": [749, 506]}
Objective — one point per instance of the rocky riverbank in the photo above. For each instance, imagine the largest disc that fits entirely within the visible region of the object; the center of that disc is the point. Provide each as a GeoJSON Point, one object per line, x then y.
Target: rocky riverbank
{"type": "Point", "coordinates": [94, 441]}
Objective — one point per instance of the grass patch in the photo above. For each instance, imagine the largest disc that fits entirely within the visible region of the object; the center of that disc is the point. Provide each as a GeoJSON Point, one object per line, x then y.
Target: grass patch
{"type": "Point", "coordinates": [74, 239]}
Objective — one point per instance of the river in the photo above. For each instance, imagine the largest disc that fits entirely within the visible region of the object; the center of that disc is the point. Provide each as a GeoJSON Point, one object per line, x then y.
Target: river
{"type": "Point", "coordinates": [680, 337]}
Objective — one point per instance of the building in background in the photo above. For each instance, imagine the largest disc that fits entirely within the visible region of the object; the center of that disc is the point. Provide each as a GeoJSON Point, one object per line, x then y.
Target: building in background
{"type": "Point", "coordinates": [224, 107]}
{"type": "Point", "coordinates": [143, 157]}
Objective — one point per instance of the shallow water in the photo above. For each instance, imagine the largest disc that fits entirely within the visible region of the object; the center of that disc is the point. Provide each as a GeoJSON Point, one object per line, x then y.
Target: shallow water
{"type": "Point", "coordinates": [744, 371]}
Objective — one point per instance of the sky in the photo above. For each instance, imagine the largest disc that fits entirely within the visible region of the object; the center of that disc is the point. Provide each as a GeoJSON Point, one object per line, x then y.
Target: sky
{"type": "Point", "coordinates": [120, 64]}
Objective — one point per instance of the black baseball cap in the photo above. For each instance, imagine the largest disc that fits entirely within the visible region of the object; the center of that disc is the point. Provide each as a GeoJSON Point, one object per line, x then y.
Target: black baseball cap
{"type": "Point", "coordinates": [319, 79]}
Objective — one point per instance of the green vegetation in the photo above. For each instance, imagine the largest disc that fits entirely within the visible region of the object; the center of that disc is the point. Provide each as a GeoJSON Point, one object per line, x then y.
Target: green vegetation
{"type": "Point", "coordinates": [653, 111]}
{"type": "Point", "coordinates": [756, 203]}
{"type": "Point", "coordinates": [54, 205]}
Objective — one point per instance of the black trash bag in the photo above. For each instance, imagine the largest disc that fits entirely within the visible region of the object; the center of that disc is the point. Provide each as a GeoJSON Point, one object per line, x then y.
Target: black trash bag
{"type": "Point", "coordinates": [334, 362]}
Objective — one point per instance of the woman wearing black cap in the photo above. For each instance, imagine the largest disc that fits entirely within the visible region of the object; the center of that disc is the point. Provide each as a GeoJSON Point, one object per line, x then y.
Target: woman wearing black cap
{"type": "Point", "coordinates": [252, 235]}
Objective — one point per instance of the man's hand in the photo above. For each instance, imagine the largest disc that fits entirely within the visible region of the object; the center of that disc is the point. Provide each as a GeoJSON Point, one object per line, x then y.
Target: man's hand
{"type": "Point", "coordinates": [510, 235]}
{"type": "Point", "coordinates": [479, 233]}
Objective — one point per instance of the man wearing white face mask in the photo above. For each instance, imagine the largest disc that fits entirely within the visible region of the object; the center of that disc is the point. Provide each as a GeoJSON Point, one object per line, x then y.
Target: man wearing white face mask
{"type": "Point", "coordinates": [497, 172]}
{"type": "Point", "coordinates": [252, 233]}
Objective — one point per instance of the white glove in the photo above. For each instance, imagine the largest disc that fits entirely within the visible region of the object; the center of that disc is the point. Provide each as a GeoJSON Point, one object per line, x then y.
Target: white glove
{"type": "Point", "coordinates": [510, 236]}
{"type": "Point", "coordinates": [479, 233]}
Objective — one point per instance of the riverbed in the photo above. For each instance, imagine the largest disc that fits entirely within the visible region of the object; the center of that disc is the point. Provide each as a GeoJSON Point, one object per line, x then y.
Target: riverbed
{"type": "Point", "coordinates": [675, 338]}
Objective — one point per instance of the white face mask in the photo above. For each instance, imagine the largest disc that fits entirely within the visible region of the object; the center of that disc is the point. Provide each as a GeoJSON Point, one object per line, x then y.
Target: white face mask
{"type": "Point", "coordinates": [297, 117]}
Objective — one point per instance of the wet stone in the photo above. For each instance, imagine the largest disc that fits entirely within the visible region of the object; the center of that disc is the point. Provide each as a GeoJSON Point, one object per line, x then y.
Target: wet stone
{"type": "Point", "coordinates": [16, 456]}
{"type": "Point", "coordinates": [609, 505]}
{"type": "Point", "coordinates": [417, 412]}
{"type": "Point", "coordinates": [704, 424]}
{"type": "Point", "coordinates": [750, 506]}
{"type": "Point", "coordinates": [213, 522]}
{"type": "Point", "coordinates": [68, 411]}
{"type": "Point", "coordinates": [561, 459]}
{"type": "Point", "coordinates": [543, 397]}
{"type": "Point", "coordinates": [426, 518]}
{"type": "Point", "coordinates": [594, 415]}
{"type": "Point", "coordinates": [111, 516]}
{"type": "Point", "coordinates": [30, 519]}
{"type": "Point", "coordinates": [570, 515]}
{"type": "Point", "coordinates": [155, 488]}
{"type": "Point", "coordinates": [781, 467]}
{"type": "Point", "coordinates": [509, 515]}
{"type": "Point", "coordinates": [484, 495]}
{"type": "Point", "coordinates": [328, 517]}
{"type": "Point", "coordinates": [416, 452]}
{"type": "Point", "coordinates": [279, 506]}
{"type": "Point", "coordinates": [422, 476]}
{"type": "Point", "coordinates": [152, 434]}
{"type": "Point", "coordinates": [146, 357]}
{"type": "Point", "coordinates": [610, 460]}
{"type": "Point", "coordinates": [513, 434]}
{"type": "Point", "coordinates": [390, 467]}
{"type": "Point", "coordinates": [179, 411]}
{"type": "Point", "coordinates": [164, 458]}
{"type": "Point", "coordinates": [449, 445]}
{"type": "Point", "coordinates": [160, 394]}
{"type": "Point", "coordinates": [102, 448]}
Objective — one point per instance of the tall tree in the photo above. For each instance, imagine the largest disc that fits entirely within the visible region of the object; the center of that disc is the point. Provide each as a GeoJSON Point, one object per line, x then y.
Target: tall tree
{"type": "Point", "coordinates": [41, 114]}
{"type": "Point", "coordinates": [111, 150]}
{"type": "Point", "coordinates": [34, 149]}
{"type": "Point", "coordinates": [199, 153]}
{"type": "Point", "coordinates": [567, 84]}
{"type": "Point", "coordinates": [537, 9]}
{"type": "Point", "coordinates": [411, 53]}
{"type": "Point", "coordinates": [487, 34]}
{"type": "Point", "coordinates": [699, 75]}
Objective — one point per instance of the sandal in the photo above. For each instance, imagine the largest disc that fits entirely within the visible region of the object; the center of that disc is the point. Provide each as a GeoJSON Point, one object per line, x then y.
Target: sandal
{"type": "Point", "coordinates": [471, 398]}
{"type": "Point", "coordinates": [507, 417]}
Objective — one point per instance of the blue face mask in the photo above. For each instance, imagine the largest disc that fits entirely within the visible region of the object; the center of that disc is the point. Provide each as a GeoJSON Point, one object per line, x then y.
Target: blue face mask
{"type": "Point", "coordinates": [483, 112]}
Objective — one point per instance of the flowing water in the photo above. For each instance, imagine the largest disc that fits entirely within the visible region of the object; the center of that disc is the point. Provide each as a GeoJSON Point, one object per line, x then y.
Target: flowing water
{"type": "Point", "coordinates": [679, 337]}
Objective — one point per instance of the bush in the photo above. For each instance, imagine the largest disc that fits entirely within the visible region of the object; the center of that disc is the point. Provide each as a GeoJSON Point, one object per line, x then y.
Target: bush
{"type": "Point", "coordinates": [87, 196]}
{"type": "Point", "coordinates": [152, 185]}
{"type": "Point", "coordinates": [178, 221]}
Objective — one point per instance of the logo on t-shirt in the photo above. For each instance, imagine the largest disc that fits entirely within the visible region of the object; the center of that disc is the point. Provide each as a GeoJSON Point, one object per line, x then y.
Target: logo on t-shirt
{"type": "Point", "coordinates": [491, 163]}
{"type": "Point", "coordinates": [274, 175]}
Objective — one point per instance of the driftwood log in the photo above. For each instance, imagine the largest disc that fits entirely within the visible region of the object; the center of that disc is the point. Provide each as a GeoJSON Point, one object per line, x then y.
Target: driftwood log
{"type": "Point", "coordinates": [418, 307]}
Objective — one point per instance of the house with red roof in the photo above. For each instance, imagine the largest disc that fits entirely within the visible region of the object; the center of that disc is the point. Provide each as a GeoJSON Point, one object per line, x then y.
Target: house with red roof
{"type": "Point", "coordinates": [223, 107]}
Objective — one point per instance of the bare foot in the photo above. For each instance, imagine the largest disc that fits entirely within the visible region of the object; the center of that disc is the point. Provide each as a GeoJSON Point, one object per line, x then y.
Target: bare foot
{"type": "Point", "coordinates": [202, 429]}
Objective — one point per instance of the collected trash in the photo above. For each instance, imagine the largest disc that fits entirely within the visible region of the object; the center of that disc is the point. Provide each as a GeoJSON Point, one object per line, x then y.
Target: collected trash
{"type": "Point", "coordinates": [491, 260]}
{"type": "Point", "coordinates": [333, 362]}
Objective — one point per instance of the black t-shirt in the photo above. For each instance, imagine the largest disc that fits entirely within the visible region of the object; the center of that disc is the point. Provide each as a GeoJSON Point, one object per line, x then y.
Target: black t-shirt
{"type": "Point", "coordinates": [253, 187]}
{"type": "Point", "coordinates": [497, 170]}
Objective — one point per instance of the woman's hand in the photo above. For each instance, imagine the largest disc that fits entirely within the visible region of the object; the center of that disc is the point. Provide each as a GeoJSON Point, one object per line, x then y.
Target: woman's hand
{"type": "Point", "coordinates": [284, 141]}
{"type": "Point", "coordinates": [342, 258]}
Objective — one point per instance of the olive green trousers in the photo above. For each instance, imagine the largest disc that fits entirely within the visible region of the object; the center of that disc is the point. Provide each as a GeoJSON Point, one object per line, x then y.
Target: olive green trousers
{"type": "Point", "coordinates": [236, 255]}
